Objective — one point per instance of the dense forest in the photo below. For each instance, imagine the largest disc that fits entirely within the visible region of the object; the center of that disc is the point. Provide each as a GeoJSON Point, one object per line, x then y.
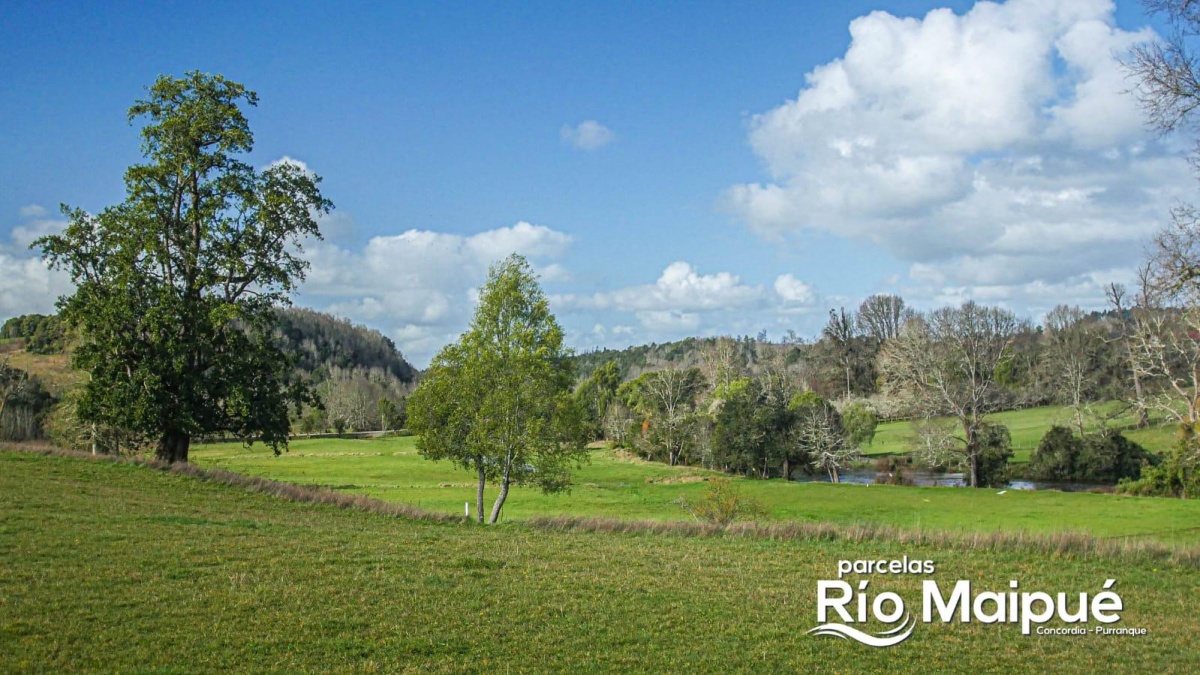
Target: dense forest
{"type": "Point", "coordinates": [323, 343]}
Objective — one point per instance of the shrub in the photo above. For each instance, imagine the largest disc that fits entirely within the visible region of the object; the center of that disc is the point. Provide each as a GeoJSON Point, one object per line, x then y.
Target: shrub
{"type": "Point", "coordinates": [1110, 457]}
{"type": "Point", "coordinates": [722, 503]}
{"type": "Point", "coordinates": [995, 449]}
{"type": "Point", "coordinates": [1055, 456]}
{"type": "Point", "coordinates": [1176, 475]}
{"type": "Point", "coordinates": [859, 421]}
{"type": "Point", "coordinates": [1106, 457]}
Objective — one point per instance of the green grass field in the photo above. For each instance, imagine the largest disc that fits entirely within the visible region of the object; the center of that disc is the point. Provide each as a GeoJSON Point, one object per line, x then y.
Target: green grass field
{"type": "Point", "coordinates": [617, 486]}
{"type": "Point", "coordinates": [112, 567]}
{"type": "Point", "coordinates": [1027, 428]}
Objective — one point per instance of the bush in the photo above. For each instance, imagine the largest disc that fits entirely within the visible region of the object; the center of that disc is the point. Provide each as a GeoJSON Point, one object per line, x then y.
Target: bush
{"type": "Point", "coordinates": [859, 421]}
{"type": "Point", "coordinates": [1106, 457]}
{"type": "Point", "coordinates": [722, 503]}
{"type": "Point", "coordinates": [1055, 456]}
{"type": "Point", "coordinates": [1110, 457]}
{"type": "Point", "coordinates": [1177, 475]}
{"type": "Point", "coordinates": [995, 449]}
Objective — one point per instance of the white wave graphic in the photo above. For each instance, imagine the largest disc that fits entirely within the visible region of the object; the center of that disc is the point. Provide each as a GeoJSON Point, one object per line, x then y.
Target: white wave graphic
{"type": "Point", "coordinates": [884, 639]}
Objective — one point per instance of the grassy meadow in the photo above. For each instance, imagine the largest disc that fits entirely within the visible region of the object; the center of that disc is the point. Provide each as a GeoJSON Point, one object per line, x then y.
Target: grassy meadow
{"type": "Point", "coordinates": [116, 567]}
{"type": "Point", "coordinates": [616, 485]}
{"type": "Point", "coordinates": [1027, 427]}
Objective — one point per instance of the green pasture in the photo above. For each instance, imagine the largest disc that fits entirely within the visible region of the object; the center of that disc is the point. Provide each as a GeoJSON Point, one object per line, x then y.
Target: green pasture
{"type": "Point", "coordinates": [1027, 427]}
{"type": "Point", "coordinates": [616, 485]}
{"type": "Point", "coordinates": [118, 568]}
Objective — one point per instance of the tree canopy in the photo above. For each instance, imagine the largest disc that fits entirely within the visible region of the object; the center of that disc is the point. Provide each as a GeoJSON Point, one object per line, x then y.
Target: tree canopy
{"type": "Point", "coordinates": [175, 286]}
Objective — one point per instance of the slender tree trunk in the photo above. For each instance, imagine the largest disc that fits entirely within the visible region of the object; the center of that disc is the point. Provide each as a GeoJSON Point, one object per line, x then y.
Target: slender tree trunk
{"type": "Point", "coordinates": [833, 473]}
{"type": "Point", "coordinates": [972, 453]}
{"type": "Point", "coordinates": [479, 490]}
{"type": "Point", "coordinates": [173, 447]}
{"type": "Point", "coordinates": [1143, 419]}
{"type": "Point", "coordinates": [787, 468]}
{"type": "Point", "coordinates": [499, 501]}
{"type": "Point", "coordinates": [504, 482]}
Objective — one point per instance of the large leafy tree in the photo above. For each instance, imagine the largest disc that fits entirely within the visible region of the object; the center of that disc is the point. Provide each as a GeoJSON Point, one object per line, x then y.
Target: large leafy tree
{"type": "Point", "coordinates": [175, 286]}
{"type": "Point", "coordinates": [499, 400]}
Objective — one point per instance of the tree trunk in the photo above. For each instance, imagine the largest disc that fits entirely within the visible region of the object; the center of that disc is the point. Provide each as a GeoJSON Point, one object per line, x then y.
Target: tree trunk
{"type": "Point", "coordinates": [173, 447]}
{"type": "Point", "coordinates": [833, 473]}
{"type": "Point", "coordinates": [499, 501]}
{"type": "Point", "coordinates": [504, 482]}
{"type": "Point", "coordinates": [1143, 419]}
{"type": "Point", "coordinates": [787, 468]}
{"type": "Point", "coordinates": [479, 491]}
{"type": "Point", "coordinates": [972, 454]}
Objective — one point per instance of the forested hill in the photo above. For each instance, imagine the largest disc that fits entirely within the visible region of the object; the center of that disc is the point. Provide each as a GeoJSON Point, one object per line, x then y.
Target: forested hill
{"type": "Point", "coordinates": [324, 344]}
{"type": "Point", "coordinates": [746, 352]}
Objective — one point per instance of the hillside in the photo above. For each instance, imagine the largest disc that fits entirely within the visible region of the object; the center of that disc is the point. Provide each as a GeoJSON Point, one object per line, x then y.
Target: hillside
{"type": "Point", "coordinates": [323, 343]}
{"type": "Point", "coordinates": [109, 567]}
{"type": "Point", "coordinates": [632, 361]}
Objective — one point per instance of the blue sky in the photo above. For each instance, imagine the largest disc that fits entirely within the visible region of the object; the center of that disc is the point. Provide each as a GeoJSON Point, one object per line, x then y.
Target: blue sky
{"type": "Point", "coordinates": [672, 169]}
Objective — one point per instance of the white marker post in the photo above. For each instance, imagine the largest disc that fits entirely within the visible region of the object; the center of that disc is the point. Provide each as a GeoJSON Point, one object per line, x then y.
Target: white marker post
{"type": "Point", "coordinates": [467, 508]}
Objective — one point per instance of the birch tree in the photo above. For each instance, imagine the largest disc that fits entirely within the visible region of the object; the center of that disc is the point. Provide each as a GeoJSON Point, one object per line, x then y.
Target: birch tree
{"type": "Point", "coordinates": [499, 400]}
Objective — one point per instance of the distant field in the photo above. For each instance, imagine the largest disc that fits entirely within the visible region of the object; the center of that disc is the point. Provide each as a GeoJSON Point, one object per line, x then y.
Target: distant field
{"type": "Point", "coordinates": [1026, 427]}
{"type": "Point", "coordinates": [119, 568]}
{"type": "Point", "coordinates": [614, 485]}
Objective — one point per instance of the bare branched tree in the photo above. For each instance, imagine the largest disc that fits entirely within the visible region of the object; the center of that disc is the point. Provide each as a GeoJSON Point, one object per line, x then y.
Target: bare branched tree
{"type": "Point", "coordinates": [820, 432]}
{"type": "Point", "coordinates": [946, 363]}
{"type": "Point", "coordinates": [1166, 70]}
{"type": "Point", "coordinates": [1072, 346]}
{"type": "Point", "coordinates": [881, 316]}
{"type": "Point", "coordinates": [1127, 321]}
{"type": "Point", "coordinates": [720, 361]}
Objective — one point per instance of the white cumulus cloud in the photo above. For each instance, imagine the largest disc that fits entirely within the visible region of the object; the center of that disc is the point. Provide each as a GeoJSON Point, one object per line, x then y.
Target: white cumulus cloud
{"type": "Point", "coordinates": [27, 284]}
{"type": "Point", "coordinates": [587, 135]}
{"type": "Point", "coordinates": [419, 286]}
{"type": "Point", "coordinates": [994, 148]}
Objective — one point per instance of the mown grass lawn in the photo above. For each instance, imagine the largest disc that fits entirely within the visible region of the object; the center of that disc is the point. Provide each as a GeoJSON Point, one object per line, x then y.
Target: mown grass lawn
{"type": "Point", "coordinates": [618, 486]}
{"type": "Point", "coordinates": [108, 567]}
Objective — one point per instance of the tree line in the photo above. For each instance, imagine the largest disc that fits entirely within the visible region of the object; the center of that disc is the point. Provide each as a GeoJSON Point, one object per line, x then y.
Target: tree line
{"type": "Point", "coordinates": [767, 409]}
